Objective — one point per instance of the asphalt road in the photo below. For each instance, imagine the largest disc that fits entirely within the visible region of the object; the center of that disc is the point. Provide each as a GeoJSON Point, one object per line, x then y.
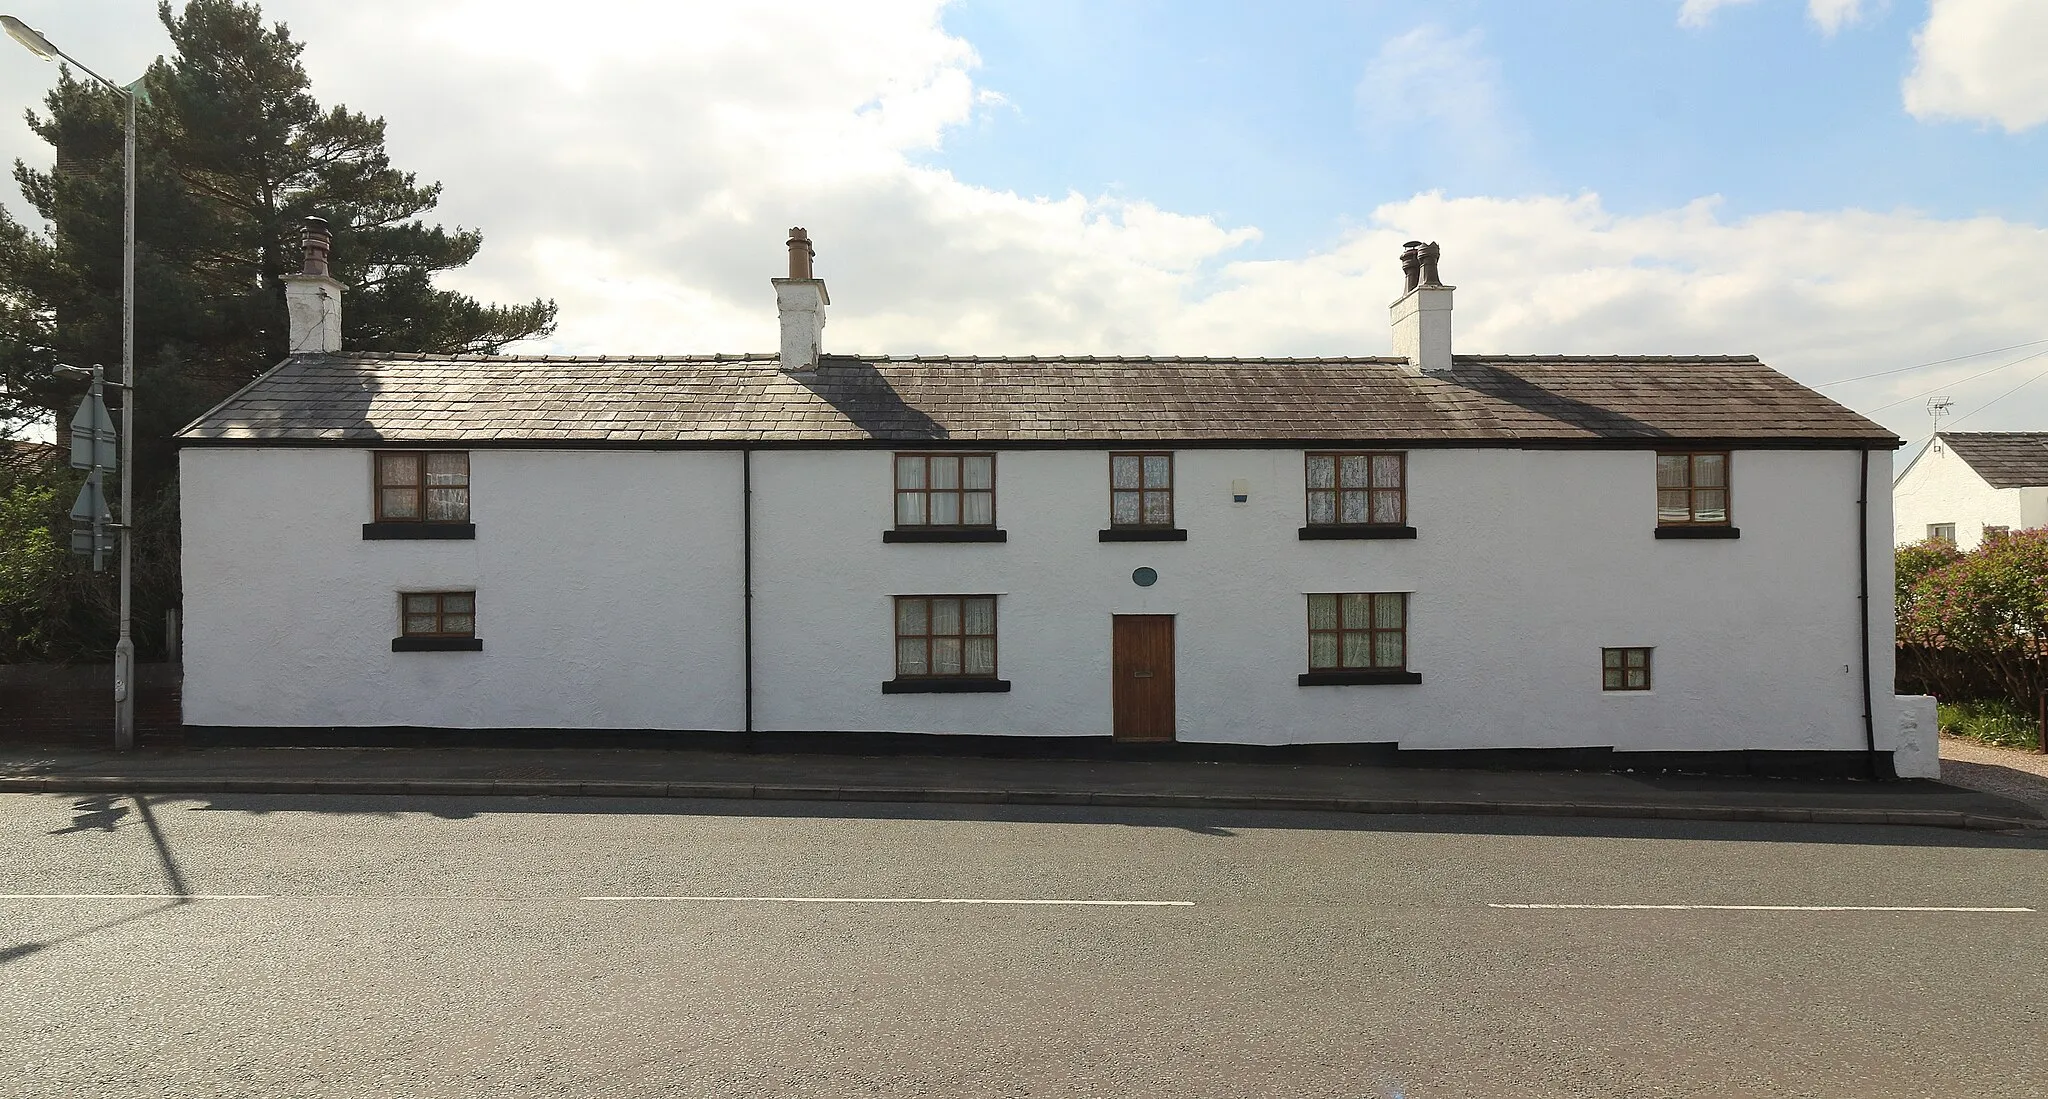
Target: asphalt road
{"type": "Point", "coordinates": [305, 946]}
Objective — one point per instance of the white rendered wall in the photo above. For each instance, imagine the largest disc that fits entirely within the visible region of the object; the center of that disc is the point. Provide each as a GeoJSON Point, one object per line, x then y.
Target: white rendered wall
{"type": "Point", "coordinates": [1941, 488]}
{"type": "Point", "coordinates": [608, 593]}
{"type": "Point", "coordinates": [1528, 562]}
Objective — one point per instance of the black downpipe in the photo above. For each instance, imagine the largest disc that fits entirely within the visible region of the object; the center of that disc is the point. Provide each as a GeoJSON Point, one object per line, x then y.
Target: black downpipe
{"type": "Point", "coordinates": [747, 577]}
{"type": "Point", "coordinates": [1863, 597]}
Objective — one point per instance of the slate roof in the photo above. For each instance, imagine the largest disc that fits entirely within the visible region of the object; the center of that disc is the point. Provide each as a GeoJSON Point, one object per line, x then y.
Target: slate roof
{"type": "Point", "coordinates": [723, 399]}
{"type": "Point", "coordinates": [2005, 459]}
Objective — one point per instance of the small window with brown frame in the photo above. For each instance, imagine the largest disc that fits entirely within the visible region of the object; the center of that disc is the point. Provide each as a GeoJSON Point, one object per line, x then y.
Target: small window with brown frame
{"type": "Point", "coordinates": [422, 486]}
{"type": "Point", "coordinates": [1625, 669]}
{"type": "Point", "coordinates": [945, 637]}
{"type": "Point", "coordinates": [1363, 488]}
{"type": "Point", "coordinates": [945, 490]}
{"type": "Point", "coordinates": [1358, 631]}
{"type": "Point", "coordinates": [437, 614]}
{"type": "Point", "coordinates": [1692, 489]}
{"type": "Point", "coordinates": [1141, 489]}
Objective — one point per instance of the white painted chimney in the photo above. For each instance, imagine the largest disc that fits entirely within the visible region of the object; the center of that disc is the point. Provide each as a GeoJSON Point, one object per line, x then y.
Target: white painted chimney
{"type": "Point", "coordinates": [800, 302]}
{"type": "Point", "coordinates": [312, 298]}
{"type": "Point", "coordinates": [1422, 315]}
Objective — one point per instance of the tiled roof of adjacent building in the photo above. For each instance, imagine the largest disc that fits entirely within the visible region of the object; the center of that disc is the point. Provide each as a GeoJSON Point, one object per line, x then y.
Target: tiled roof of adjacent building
{"type": "Point", "coordinates": [362, 399]}
{"type": "Point", "coordinates": [2005, 459]}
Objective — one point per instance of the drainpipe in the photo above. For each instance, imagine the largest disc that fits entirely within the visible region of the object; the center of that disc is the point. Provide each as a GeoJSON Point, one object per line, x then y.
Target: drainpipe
{"type": "Point", "coordinates": [747, 577]}
{"type": "Point", "coordinates": [1863, 600]}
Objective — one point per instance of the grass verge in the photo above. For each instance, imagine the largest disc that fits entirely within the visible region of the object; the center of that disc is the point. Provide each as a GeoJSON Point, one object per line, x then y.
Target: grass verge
{"type": "Point", "coordinates": [1997, 723]}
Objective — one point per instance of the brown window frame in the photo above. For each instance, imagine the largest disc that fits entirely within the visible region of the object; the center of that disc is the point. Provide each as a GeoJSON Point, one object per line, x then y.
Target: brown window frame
{"type": "Point", "coordinates": [1143, 490]}
{"type": "Point", "coordinates": [960, 490]}
{"type": "Point", "coordinates": [1725, 488]}
{"type": "Point", "coordinates": [1619, 667]}
{"type": "Point", "coordinates": [378, 487]}
{"type": "Point", "coordinates": [441, 614]}
{"type": "Point", "coordinates": [1370, 631]}
{"type": "Point", "coordinates": [963, 637]}
{"type": "Point", "coordinates": [1340, 487]}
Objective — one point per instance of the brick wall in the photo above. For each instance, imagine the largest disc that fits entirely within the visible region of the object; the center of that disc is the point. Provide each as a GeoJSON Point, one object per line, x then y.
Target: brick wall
{"type": "Point", "coordinates": [73, 705]}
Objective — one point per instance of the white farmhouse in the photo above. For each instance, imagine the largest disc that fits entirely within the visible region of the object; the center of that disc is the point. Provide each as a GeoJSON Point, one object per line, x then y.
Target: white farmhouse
{"type": "Point", "coordinates": [1627, 561]}
{"type": "Point", "coordinates": [1965, 485]}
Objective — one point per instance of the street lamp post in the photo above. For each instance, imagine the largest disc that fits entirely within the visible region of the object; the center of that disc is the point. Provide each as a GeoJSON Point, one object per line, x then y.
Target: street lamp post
{"type": "Point", "coordinates": [124, 648]}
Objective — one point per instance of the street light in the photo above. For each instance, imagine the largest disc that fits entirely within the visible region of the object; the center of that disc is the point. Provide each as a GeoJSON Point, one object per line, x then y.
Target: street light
{"type": "Point", "coordinates": [124, 648]}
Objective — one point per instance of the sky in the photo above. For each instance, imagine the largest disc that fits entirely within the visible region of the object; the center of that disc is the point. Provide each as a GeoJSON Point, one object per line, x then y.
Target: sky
{"type": "Point", "coordinates": [1844, 188]}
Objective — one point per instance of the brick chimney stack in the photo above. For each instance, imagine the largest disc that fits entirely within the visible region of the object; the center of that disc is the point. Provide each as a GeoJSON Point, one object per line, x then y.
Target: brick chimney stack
{"type": "Point", "coordinates": [800, 302]}
{"type": "Point", "coordinates": [1422, 314]}
{"type": "Point", "coordinates": [312, 298]}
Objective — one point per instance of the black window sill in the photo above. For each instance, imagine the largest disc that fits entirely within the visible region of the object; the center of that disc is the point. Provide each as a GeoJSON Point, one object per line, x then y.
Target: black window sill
{"type": "Point", "coordinates": [379, 531]}
{"type": "Point", "coordinates": [945, 534]}
{"type": "Point", "coordinates": [1323, 531]}
{"type": "Point", "coordinates": [1698, 532]}
{"type": "Point", "coordinates": [437, 644]}
{"type": "Point", "coordinates": [1143, 534]}
{"type": "Point", "coordinates": [954, 686]}
{"type": "Point", "coordinates": [1357, 677]}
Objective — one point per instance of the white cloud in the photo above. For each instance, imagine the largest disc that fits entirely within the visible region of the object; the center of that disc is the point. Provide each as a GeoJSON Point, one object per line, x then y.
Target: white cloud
{"type": "Point", "coordinates": [1430, 94]}
{"type": "Point", "coordinates": [642, 166]}
{"type": "Point", "coordinates": [1829, 15]}
{"type": "Point", "coordinates": [1696, 13]}
{"type": "Point", "coordinates": [1981, 60]}
{"type": "Point", "coordinates": [1833, 15]}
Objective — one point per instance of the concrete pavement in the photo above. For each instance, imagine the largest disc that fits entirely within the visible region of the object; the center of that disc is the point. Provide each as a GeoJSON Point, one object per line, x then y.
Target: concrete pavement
{"type": "Point", "coordinates": [703, 774]}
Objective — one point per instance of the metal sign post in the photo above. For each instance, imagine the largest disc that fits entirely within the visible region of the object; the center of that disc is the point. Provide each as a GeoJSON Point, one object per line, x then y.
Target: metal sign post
{"type": "Point", "coordinates": [95, 448]}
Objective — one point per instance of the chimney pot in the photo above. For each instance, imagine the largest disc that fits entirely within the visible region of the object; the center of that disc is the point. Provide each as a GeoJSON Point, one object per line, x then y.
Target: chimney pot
{"type": "Point", "coordinates": [801, 254]}
{"type": "Point", "coordinates": [1422, 314]}
{"type": "Point", "coordinates": [314, 243]}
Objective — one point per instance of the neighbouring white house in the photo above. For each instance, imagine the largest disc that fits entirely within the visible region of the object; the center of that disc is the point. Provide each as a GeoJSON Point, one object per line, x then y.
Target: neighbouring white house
{"type": "Point", "coordinates": [1641, 560]}
{"type": "Point", "coordinates": [1964, 485]}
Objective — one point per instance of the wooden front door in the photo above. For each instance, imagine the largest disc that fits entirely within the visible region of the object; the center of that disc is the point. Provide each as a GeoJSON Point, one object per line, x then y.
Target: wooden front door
{"type": "Point", "coordinates": [1141, 695]}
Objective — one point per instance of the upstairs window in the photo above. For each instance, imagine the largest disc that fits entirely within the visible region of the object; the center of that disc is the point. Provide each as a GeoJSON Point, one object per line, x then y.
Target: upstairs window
{"type": "Point", "coordinates": [1141, 490]}
{"type": "Point", "coordinates": [422, 486]}
{"type": "Point", "coordinates": [1692, 489]}
{"type": "Point", "coordinates": [946, 490]}
{"type": "Point", "coordinates": [1357, 489]}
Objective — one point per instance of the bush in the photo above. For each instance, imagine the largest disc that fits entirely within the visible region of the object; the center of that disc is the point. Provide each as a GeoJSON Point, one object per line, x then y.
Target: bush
{"type": "Point", "coordinates": [1997, 723]}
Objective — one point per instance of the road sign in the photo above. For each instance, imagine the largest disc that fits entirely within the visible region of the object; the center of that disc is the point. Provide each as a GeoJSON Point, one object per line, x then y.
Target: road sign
{"type": "Point", "coordinates": [92, 534]}
{"type": "Point", "coordinates": [94, 443]}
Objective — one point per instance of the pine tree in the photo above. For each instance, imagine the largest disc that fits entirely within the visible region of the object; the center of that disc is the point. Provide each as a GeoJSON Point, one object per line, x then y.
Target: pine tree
{"type": "Point", "coordinates": [233, 152]}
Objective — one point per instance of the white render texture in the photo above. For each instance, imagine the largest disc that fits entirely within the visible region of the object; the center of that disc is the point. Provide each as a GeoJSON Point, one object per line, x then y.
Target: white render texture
{"type": "Point", "coordinates": [800, 308]}
{"type": "Point", "coordinates": [608, 589]}
{"type": "Point", "coordinates": [606, 584]}
{"type": "Point", "coordinates": [1422, 328]}
{"type": "Point", "coordinates": [1939, 487]}
{"type": "Point", "coordinates": [313, 311]}
{"type": "Point", "coordinates": [1918, 751]}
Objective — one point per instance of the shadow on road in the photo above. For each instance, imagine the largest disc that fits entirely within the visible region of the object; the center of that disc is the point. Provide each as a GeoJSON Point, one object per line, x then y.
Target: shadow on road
{"type": "Point", "coordinates": [1220, 823]}
{"type": "Point", "coordinates": [103, 813]}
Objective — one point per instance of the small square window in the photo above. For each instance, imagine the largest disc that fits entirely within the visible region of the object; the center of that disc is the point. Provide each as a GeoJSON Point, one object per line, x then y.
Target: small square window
{"type": "Point", "coordinates": [1625, 669]}
{"type": "Point", "coordinates": [1941, 532]}
{"type": "Point", "coordinates": [1991, 532]}
{"type": "Point", "coordinates": [422, 486]}
{"type": "Point", "coordinates": [437, 614]}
